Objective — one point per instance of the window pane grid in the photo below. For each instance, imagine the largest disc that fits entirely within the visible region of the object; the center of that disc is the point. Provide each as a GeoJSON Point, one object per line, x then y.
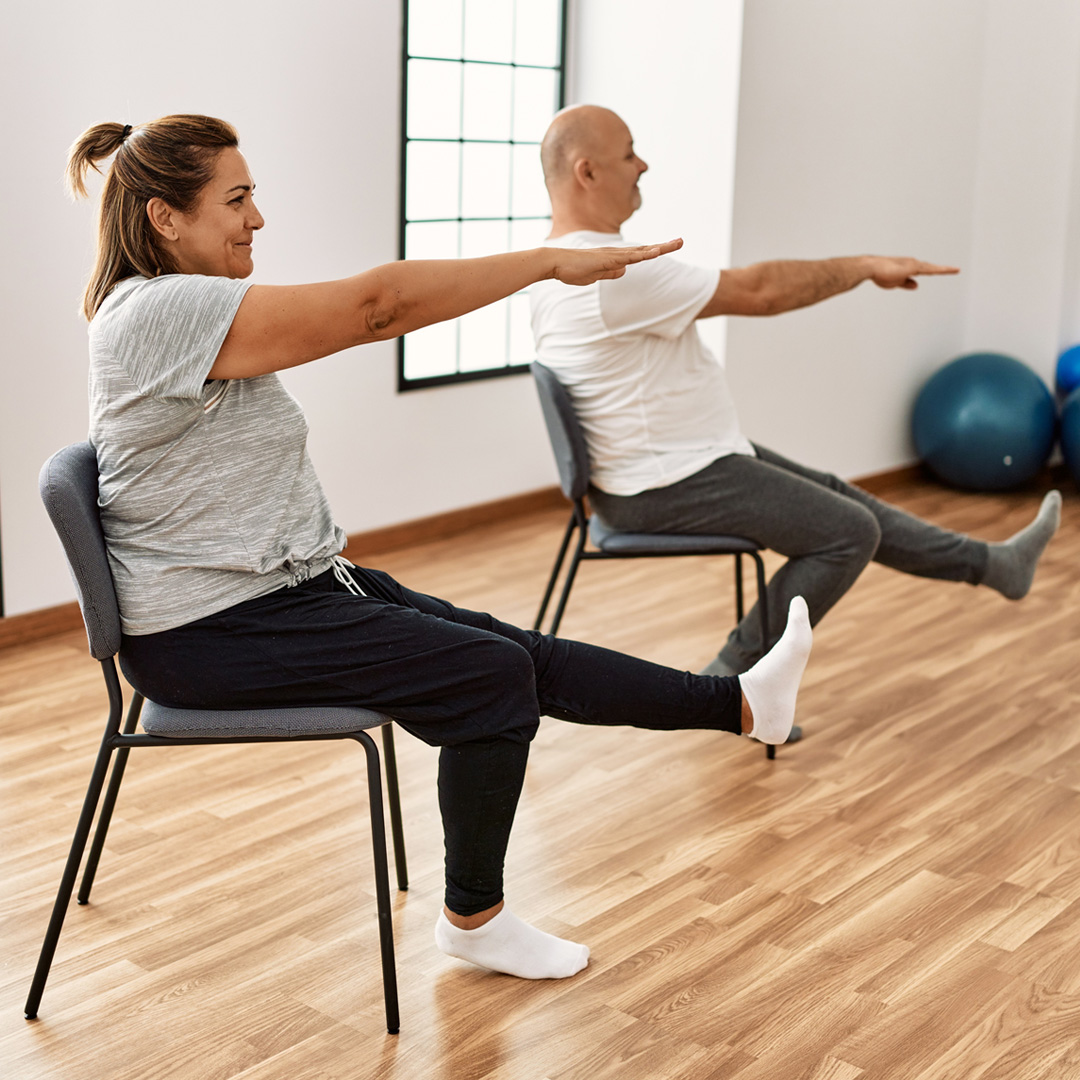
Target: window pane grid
{"type": "Point", "coordinates": [491, 63]}
{"type": "Point", "coordinates": [473, 142]}
{"type": "Point", "coordinates": [476, 130]}
{"type": "Point", "coordinates": [501, 217]}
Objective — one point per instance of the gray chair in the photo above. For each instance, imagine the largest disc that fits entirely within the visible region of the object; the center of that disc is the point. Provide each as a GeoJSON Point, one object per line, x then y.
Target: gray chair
{"type": "Point", "coordinates": [69, 489]}
{"type": "Point", "coordinates": [572, 459]}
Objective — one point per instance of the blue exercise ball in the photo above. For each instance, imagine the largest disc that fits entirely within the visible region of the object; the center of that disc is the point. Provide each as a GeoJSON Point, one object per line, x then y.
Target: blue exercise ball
{"type": "Point", "coordinates": [1067, 378]}
{"type": "Point", "coordinates": [985, 422]}
{"type": "Point", "coordinates": [1070, 433]}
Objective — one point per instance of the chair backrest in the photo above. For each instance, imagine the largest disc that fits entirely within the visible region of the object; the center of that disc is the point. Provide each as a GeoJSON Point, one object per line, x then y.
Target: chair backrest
{"type": "Point", "coordinates": [69, 490]}
{"type": "Point", "coordinates": [564, 431]}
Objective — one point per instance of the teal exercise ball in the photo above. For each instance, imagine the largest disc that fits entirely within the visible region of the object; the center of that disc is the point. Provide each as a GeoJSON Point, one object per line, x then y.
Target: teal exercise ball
{"type": "Point", "coordinates": [985, 422]}
{"type": "Point", "coordinates": [1070, 433]}
{"type": "Point", "coordinates": [1067, 376]}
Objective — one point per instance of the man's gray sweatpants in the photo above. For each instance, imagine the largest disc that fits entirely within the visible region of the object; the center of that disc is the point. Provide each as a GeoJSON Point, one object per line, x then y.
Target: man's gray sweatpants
{"type": "Point", "coordinates": [828, 529]}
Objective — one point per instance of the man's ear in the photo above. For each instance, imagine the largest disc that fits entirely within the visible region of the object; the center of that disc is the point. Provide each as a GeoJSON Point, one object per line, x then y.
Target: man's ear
{"type": "Point", "coordinates": [161, 218]}
{"type": "Point", "coordinates": [584, 173]}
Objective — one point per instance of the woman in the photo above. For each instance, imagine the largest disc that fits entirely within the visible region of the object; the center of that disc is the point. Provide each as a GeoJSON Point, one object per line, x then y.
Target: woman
{"type": "Point", "coordinates": [226, 560]}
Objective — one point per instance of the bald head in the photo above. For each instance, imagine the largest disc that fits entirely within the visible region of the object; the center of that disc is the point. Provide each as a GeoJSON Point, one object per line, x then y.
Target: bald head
{"type": "Point", "coordinates": [576, 132]}
{"type": "Point", "coordinates": [590, 169]}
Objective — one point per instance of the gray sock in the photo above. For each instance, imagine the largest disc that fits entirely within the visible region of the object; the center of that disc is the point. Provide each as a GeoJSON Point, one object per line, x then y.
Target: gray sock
{"type": "Point", "coordinates": [1011, 564]}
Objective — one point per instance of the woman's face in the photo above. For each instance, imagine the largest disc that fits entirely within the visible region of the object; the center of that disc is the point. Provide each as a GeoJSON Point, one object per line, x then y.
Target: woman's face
{"type": "Point", "coordinates": [215, 239]}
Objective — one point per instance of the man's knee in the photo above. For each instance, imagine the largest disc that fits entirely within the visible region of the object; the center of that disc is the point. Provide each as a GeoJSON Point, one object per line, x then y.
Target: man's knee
{"type": "Point", "coordinates": [853, 536]}
{"type": "Point", "coordinates": [864, 532]}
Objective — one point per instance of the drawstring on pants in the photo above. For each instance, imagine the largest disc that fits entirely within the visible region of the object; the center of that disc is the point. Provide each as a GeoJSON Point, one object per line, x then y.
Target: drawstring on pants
{"type": "Point", "coordinates": [341, 572]}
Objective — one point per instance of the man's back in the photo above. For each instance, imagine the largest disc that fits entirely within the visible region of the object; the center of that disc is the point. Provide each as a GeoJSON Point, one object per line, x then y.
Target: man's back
{"type": "Point", "coordinates": [652, 399]}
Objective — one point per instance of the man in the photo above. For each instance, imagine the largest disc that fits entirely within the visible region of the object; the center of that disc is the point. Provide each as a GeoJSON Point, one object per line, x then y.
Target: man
{"type": "Point", "coordinates": [666, 451]}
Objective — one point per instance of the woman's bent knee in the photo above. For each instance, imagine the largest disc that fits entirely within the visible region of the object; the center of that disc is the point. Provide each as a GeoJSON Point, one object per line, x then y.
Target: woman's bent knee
{"type": "Point", "coordinates": [504, 686]}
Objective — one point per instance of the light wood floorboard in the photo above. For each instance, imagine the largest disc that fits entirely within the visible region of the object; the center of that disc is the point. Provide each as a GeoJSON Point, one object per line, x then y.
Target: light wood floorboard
{"type": "Point", "coordinates": [896, 897]}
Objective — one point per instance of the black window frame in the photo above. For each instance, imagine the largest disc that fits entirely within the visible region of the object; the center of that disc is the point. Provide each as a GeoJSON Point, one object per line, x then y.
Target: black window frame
{"type": "Point", "coordinates": [405, 384]}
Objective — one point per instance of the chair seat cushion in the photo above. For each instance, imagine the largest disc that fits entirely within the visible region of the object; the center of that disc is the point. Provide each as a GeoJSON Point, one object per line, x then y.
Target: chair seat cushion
{"type": "Point", "coordinates": [611, 542]}
{"type": "Point", "coordinates": [275, 723]}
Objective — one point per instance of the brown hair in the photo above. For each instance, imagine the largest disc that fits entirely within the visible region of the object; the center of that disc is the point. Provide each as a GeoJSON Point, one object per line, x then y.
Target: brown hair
{"type": "Point", "coordinates": [171, 159]}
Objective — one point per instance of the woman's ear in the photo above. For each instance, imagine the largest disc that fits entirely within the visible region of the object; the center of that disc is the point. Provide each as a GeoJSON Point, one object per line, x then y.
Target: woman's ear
{"type": "Point", "coordinates": [161, 217]}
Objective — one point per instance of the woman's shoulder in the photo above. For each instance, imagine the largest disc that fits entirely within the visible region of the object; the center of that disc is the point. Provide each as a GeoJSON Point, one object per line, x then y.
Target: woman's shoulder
{"type": "Point", "coordinates": [136, 290]}
{"type": "Point", "coordinates": [131, 295]}
{"type": "Point", "coordinates": [138, 299]}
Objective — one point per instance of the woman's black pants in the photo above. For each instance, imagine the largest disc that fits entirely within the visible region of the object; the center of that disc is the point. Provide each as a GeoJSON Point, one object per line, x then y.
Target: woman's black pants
{"type": "Point", "coordinates": [457, 679]}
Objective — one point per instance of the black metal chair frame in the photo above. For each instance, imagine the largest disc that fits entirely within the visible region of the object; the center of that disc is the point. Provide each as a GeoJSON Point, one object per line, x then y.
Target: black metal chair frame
{"type": "Point", "coordinates": [572, 458]}
{"type": "Point", "coordinates": [579, 523]}
{"type": "Point", "coordinates": [122, 742]}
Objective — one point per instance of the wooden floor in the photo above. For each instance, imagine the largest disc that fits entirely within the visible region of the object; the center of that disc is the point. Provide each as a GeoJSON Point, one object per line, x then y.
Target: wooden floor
{"type": "Point", "coordinates": [896, 897]}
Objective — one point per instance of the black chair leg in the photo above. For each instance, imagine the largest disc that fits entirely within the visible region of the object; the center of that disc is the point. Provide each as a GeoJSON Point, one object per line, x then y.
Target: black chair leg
{"type": "Point", "coordinates": [740, 605]}
{"type": "Point", "coordinates": [394, 798]}
{"type": "Point", "coordinates": [71, 871]}
{"type": "Point", "coordinates": [113, 790]}
{"type": "Point", "coordinates": [382, 882]}
{"type": "Point", "coordinates": [763, 598]}
{"type": "Point", "coordinates": [555, 572]}
{"type": "Point", "coordinates": [763, 610]}
{"type": "Point", "coordinates": [571, 573]}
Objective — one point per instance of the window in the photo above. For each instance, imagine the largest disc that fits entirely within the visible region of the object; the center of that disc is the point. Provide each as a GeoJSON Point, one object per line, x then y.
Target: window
{"type": "Point", "coordinates": [481, 80]}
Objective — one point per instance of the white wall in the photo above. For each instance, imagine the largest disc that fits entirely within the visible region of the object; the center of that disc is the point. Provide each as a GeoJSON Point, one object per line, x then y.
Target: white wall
{"type": "Point", "coordinates": [858, 133]}
{"type": "Point", "coordinates": [1023, 293]}
{"type": "Point", "coordinates": [313, 90]}
{"type": "Point", "coordinates": [945, 130]}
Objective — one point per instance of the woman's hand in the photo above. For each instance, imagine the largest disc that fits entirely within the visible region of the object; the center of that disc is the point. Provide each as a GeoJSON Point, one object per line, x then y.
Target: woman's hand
{"type": "Point", "coordinates": [583, 266]}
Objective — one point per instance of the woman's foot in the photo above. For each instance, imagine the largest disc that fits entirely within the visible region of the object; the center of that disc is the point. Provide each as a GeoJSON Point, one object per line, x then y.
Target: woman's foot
{"type": "Point", "coordinates": [770, 687]}
{"type": "Point", "coordinates": [505, 943]}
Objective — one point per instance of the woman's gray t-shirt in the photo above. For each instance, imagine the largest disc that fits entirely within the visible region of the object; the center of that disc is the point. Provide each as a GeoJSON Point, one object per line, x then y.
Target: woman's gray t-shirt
{"type": "Point", "coordinates": [207, 495]}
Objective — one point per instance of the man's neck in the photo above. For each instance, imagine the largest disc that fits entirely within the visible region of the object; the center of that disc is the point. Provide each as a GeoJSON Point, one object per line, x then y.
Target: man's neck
{"type": "Point", "coordinates": [576, 221]}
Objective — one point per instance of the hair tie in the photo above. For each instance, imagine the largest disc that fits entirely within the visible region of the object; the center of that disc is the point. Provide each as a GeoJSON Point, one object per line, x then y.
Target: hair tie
{"type": "Point", "coordinates": [127, 132]}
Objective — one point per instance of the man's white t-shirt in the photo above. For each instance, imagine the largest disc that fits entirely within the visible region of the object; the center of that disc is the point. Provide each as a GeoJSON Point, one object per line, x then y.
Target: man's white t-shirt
{"type": "Point", "coordinates": [652, 399]}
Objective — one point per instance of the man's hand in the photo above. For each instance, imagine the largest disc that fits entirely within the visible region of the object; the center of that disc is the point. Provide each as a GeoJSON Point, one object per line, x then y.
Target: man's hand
{"type": "Point", "coordinates": [583, 266]}
{"type": "Point", "coordinates": [889, 272]}
{"type": "Point", "coordinates": [770, 288]}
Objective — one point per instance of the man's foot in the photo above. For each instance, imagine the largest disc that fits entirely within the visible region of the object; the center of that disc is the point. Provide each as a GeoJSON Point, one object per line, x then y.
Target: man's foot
{"type": "Point", "coordinates": [505, 943]}
{"type": "Point", "coordinates": [771, 686]}
{"type": "Point", "coordinates": [1011, 564]}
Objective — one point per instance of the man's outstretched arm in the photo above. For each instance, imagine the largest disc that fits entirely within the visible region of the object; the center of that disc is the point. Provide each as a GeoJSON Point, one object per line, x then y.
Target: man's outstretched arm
{"type": "Point", "coordinates": [769, 288]}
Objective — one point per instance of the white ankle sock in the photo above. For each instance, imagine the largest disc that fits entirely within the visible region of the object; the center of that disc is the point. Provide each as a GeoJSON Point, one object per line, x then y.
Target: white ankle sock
{"type": "Point", "coordinates": [1010, 565]}
{"type": "Point", "coordinates": [507, 944]}
{"type": "Point", "coordinates": [771, 685]}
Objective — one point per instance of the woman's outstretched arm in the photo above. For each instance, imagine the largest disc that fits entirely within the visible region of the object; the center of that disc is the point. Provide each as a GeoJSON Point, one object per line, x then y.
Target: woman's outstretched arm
{"type": "Point", "coordinates": [281, 326]}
